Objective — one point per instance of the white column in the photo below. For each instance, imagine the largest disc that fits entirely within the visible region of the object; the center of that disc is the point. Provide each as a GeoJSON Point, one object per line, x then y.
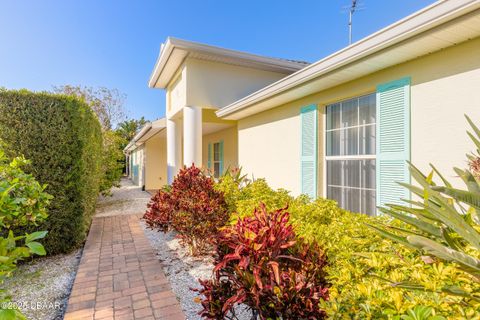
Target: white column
{"type": "Point", "coordinates": [192, 136]}
{"type": "Point", "coordinates": [174, 151]}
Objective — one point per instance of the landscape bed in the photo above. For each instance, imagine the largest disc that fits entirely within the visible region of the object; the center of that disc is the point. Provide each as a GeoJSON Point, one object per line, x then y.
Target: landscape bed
{"type": "Point", "coordinates": [41, 287]}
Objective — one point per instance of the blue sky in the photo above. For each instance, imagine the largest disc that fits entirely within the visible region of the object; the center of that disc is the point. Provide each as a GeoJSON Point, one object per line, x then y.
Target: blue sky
{"type": "Point", "coordinates": [115, 43]}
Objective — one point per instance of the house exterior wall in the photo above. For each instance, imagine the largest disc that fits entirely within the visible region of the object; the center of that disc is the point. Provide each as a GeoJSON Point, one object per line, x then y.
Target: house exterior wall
{"type": "Point", "coordinates": [445, 86]}
{"type": "Point", "coordinates": [230, 146]}
{"type": "Point", "coordinates": [214, 85]}
{"type": "Point", "coordinates": [176, 93]}
{"type": "Point", "coordinates": [155, 162]}
{"type": "Point", "coordinates": [137, 172]}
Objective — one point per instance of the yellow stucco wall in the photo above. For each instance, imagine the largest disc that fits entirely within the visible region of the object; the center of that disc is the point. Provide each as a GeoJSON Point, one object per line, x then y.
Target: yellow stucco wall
{"type": "Point", "coordinates": [212, 84]}
{"type": "Point", "coordinates": [230, 146]}
{"type": "Point", "coordinates": [176, 93]}
{"type": "Point", "coordinates": [155, 162]}
{"type": "Point", "coordinates": [445, 86]}
{"type": "Point", "coordinates": [138, 160]}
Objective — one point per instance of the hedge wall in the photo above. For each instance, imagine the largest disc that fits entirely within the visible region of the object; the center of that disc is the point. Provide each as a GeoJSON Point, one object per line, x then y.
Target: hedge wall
{"type": "Point", "coordinates": [62, 137]}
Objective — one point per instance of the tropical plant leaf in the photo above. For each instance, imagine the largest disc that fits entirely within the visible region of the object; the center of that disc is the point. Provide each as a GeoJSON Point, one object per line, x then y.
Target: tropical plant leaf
{"type": "Point", "coordinates": [391, 236]}
{"type": "Point", "coordinates": [468, 179]}
{"type": "Point", "coordinates": [37, 248]}
{"type": "Point", "coordinates": [444, 180]}
{"type": "Point", "coordinates": [467, 262]}
{"type": "Point", "coordinates": [422, 225]}
{"type": "Point", "coordinates": [35, 236]}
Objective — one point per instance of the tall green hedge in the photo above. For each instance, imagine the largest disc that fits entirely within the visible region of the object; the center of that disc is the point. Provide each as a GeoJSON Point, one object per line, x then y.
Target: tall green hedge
{"type": "Point", "coordinates": [62, 137]}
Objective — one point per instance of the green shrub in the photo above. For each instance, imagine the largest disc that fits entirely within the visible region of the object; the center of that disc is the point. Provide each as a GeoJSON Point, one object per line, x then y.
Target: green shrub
{"type": "Point", "coordinates": [112, 161]}
{"type": "Point", "coordinates": [61, 137]}
{"type": "Point", "coordinates": [359, 260]}
{"type": "Point", "coordinates": [23, 202]}
{"type": "Point", "coordinates": [444, 223]}
{"type": "Point", "coordinates": [242, 201]}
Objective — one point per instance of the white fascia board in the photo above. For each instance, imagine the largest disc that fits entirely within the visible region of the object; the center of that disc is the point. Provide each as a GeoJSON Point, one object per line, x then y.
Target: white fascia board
{"type": "Point", "coordinates": [150, 129]}
{"type": "Point", "coordinates": [132, 144]}
{"type": "Point", "coordinates": [173, 45]}
{"type": "Point", "coordinates": [165, 51]}
{"type": "Point", "coordinates": [428, 18]}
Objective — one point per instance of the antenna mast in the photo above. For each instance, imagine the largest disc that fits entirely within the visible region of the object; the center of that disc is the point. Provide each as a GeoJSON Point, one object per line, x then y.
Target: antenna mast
{"type": "Point", "coordinates": [353, 7]}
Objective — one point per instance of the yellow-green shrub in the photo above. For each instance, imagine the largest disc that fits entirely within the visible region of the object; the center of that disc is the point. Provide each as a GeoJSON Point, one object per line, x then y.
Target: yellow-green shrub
{"type": "Point", "coordinates": [359, 260]}
{"type": "Point", "coordinates": [243, 201]}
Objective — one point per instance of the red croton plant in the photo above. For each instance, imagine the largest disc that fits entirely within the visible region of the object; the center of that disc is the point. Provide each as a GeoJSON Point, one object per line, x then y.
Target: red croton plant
{"type": "Point", "coordinates": [192, 207]}
{"type": "Point", "coordinates": [159, 211]}
{"type": "Point", "coordinates": [262, 265]}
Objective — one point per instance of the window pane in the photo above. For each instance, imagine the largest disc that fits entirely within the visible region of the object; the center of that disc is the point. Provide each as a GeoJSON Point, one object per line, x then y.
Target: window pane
{"type": "Point", "coordinates": [352, 182]}
{"type": "Point", "coordinates": [334, 169]}
{"type": "Point", "coordinates": [335, 193]}
{"type": "Point", "coordinates": [368, 202]}
{"type": "Point", "coordinates": [349, 141]}
{"type": "Point", "coordinates": [333, 116]}
{"type": "Point", "coordinates": [367, 139]}
{"type": "Point", "coordinates": [216, 169]}
{"type": "Point", "coordinates": [351, 173]}
{"type": "Point", "coordinates": [333, 143]}
{"type": "Point", "coordinates": [368, 174]}
{"type": "Point", "coordinates": [352, 199]}
{"type": "Point", "coordinates": [367, 109]}
{"type": "Point", "coordinates": [216, 152]}
{"type": "Point", "coordinates": [350, 113]}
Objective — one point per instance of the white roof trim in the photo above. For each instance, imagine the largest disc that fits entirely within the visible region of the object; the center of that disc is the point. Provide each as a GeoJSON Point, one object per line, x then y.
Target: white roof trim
{"type": "Point", "coordinates": [426, 19]}
{"type": "Point", "coordinates": [147, 131]}
{"type": "Point", "coordinates": [174, 51]}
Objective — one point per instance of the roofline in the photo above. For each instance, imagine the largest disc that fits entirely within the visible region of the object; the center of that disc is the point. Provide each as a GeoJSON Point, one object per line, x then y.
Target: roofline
{"type": "Point", "coordinates": [157, 124]}
{"type": "Point", "coordinates": [423, 20]}
{"type": "Point", "coordinates": [171, 44]}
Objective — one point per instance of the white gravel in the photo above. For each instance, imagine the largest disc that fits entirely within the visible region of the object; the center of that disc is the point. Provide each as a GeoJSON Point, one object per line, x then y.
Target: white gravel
{"type": "Point", "coordinates": [183, 271]}
{"type": "Point", "coordinates": [41, 287]}
{"type": "Point", "coordinates": [125, 200]}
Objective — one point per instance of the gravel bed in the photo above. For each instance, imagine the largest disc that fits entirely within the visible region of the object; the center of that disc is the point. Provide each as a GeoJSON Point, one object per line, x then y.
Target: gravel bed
{"type": "Point", "coordinates": [126, 200]}
{"type": "Point", "coordinates": [41, 287]}
{"type": "Point", "coordinates": [183, 271]}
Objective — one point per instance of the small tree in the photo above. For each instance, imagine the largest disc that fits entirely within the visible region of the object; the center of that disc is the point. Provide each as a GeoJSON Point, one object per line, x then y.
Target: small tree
{"type": "Point", "coordinates": [108, 104]}
{"type": "Point", "coordinates": [112, 162]}
{"type": "Point", "coordinates": [128, 129]}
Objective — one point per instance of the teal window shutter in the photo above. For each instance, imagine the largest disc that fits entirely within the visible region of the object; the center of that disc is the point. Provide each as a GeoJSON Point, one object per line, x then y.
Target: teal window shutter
{"type": "Point", "coordinates": [209, 156]}
{"type": "Point", "coordinates": [221, 157]}
{"type": "Point", "coordinates": [309, 122]}
{"type": "Point", "coordinates": [393, 141]}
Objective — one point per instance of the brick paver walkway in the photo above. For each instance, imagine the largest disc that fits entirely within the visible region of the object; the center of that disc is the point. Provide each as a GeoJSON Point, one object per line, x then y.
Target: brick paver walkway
{"type": "Point", "coordinates": [119, 276]}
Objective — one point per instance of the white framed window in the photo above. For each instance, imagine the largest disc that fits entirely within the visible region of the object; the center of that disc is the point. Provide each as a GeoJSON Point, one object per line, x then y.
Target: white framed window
{"type": "Point", "coordinates": [350, 153]}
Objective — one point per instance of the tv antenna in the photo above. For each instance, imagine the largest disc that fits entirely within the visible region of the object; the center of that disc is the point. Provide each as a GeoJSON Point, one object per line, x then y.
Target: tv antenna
{"type": "Point", "coordinates": [355, 6]}
{"type": "Point", "coordinates": [350, 15]}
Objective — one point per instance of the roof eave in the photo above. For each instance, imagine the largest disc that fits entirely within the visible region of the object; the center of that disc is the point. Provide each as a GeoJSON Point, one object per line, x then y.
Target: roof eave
{"type": "Point", "coordinates": [173, 44]}
{"type": "Point", "coordinates": [387, 37]}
